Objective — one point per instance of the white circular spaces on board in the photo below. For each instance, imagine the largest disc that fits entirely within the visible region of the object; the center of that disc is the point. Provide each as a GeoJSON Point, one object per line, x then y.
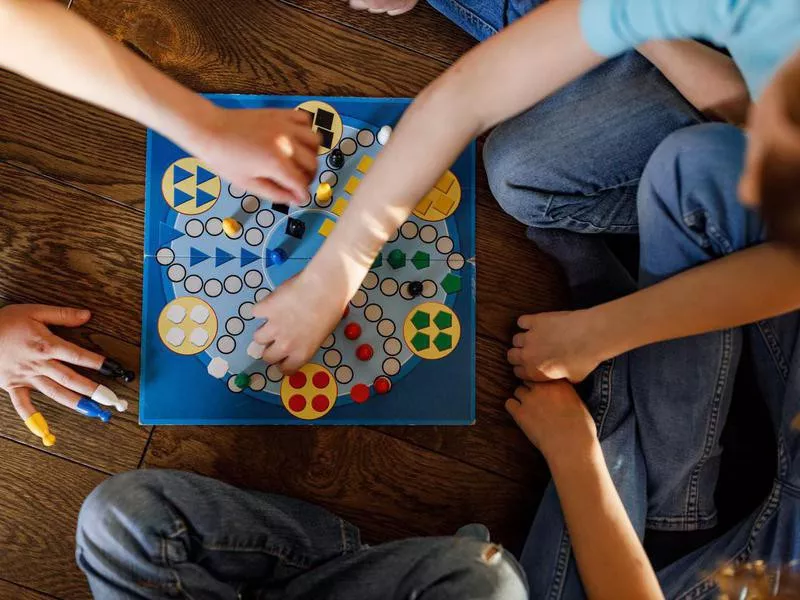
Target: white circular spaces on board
{"type": "Point", "coordinates": [332, 358]}
{"type": "Point", "coordinates": [456, 261]}
{"type": "Point", "coordinates": [344, 374]}
{"type": "Point", "coordinates": [236, 191]}
{"type": "Point", "coordinates": [165, 256]}
{"type": "Point", "coordinates": [213, 288]}
{"type": "Point", "coordinates": [214, 226]}
{"type": "Point", "coordinates": [274, 373]}
{"type": "Point", "coordinates": [365, 138]}
{"type": "Point", "coordinates": [194, 228]}
{"type": "Point", "coordinates": [428, 234]}
{"type": "Point", "coordinates": [389, 286]}
{"type": "Point", "coordinates": [254, 236]}
{"type": "Point", "coordinates": [329, 341]}
{"type": "Point", "coordinates": [392, 346]}
{"type": "Point", "coordinates": [386, 327]}
{"type": "Point", "coordinates": [257, 382]}
{"type": "Point", "coordinates": [370, 281]}
{"type": "Point", "coordinates": [391, 366]}
{"type": "Point", "coordinates": [444, 245]}
{"type": "Point", "coordinates": [193, 284]}
{"type": "Point", "coordinates": [306, 201]}
{"type": "Point", "coordinates": [234, 326]}
{"type": "Point", "coordinates": [373, 312]}
{"type": "Point", "coordinates": [348, 146]}
{"type": "Point", "coordinates": [359, 299]}
{"type": "Point", "coordinates": [253, 278]}
{"type": "Point", "coordinates": [329, 177]}
{"type": "Point", "coordinates": [226, 344]}
{"type": "Point", "coordinates": [405, 291]}
{"type": "Point", "coordinates": [176, 273]}
{"type": "Point", "coordinates": [233, 284]}
{"type": "Point", "coordinates": [265, 218]}
{"type": "Point", "coordinates": [429, 289]}
{"type": "Point", "coordinates": [409, 230]}
{"type": "Point", "coordinates": [232, 385]}
{"type": "Point", "coordinates": [250, 204]}
{"type": "Point", "coordinates": [246, 310]}
{"type": "Point", "coordinates": [261, 294]}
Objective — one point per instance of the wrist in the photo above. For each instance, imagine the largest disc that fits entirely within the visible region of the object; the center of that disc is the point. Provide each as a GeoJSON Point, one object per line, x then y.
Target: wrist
{"type": "Point", "coordinates": [576, 454]}
{"type": "Point", "coordinates": [607, 333]}
{"type": "Point", "coordinates": [196, 125]}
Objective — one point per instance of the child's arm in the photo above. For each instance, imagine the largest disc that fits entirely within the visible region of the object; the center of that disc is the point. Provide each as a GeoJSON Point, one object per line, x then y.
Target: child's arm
{"type": "Point", "coordinates": [611, 560]}
{"type": "Point", "coordinates": [270, 152]}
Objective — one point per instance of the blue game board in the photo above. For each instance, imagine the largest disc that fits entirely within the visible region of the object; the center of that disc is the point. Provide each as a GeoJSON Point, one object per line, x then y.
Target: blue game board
{"type": "Point", "coordinates": [414, 314]}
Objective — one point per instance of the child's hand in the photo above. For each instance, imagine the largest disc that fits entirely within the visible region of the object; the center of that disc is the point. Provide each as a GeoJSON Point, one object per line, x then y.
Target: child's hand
{"type": "Point", "coordinates": [557, 345]}
{"type": "Point", "coordinates": [391, 7]}
{"type": "Point", "coordinates": [270, 152]}
{"type": "Point", "coordinates": [553, 417]}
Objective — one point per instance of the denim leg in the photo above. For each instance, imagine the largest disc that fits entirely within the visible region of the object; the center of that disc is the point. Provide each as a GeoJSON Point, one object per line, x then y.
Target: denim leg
{"type": "Point", "coordinates": [483, 18]}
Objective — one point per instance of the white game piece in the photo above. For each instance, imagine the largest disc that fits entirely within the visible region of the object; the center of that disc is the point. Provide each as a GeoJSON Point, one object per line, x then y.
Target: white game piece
{"type": "Point", "coordinates": [107, 397]}
{"type": "Point", "coordinates": [176, 313]}
{"type": "Point", "coordinates": [199, 337]}
{"type": "Point", "coordinates": [199, 314]}
{"type": "Point", "coordinates": [218, 367]}
{"type": "Point", "coordinates": [255, 350]}
{"type": "Point", "coordinates": [383, 135]}
{"type": "Point", "coordinates": [175, 336]}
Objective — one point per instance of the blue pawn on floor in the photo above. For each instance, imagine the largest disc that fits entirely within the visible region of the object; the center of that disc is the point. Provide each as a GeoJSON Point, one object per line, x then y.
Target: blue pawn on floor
{"type": "Point", "coordinates": [276, 257]}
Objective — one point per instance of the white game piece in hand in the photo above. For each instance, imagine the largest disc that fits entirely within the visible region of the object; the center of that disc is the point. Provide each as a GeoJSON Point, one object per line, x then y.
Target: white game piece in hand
{"type": "Point", "coordinates": [383, 135]}
{"type": "Point", "coordinates": [107, 397]}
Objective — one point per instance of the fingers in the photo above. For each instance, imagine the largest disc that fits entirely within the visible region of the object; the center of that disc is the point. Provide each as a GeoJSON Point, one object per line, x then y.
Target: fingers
{"type": "Point", "coordinates": [521, 373]}
{"type": "Point", "coordinates": [513, 407]}
{"type": "Point", "coordinates": [307, 138]}
{"type": "Point", "coordinates": [290, 365]}
{"type": "Point", "coordinates": [69, 379]}
{"type": "Point", "coordinates": [275, 353]}
{"type": "Point", "coordinates": [272, 191]}
{"type": "Point", "coordinates": [526, 321]}
{"type": "Point", "coordinates": [306, 159]}
{"type": "Point", "coordinates": [518, 341]}
{"type": "Point", "coordinates": [73, 354]}
{"type": "Point", "coordinates": [60, 315]}
{"type": "Point", "coordinates": [292, 178]}
{"type": "Point", "coordinates": [21, 401]}
{"type": "Point", "coordinates": [56, 391]}
{"type": "Point", "coordinates": [514, 356]}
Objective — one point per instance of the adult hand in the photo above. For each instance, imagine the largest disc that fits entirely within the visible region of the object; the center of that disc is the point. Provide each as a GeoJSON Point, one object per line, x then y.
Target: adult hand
{"type": "Point", "coordinates": [390, 7]}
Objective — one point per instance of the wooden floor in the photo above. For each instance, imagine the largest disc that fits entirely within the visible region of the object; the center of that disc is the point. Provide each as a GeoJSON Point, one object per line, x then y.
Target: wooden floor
{"type": "Point", "coordinates": [72, 198]}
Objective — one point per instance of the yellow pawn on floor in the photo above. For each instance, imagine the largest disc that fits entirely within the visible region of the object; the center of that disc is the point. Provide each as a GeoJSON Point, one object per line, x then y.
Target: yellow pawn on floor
{"type": "Point", "coordinates": [324, 193]}
{"type": "Point", "coordinates": [38, 427]}
{"type": "Point", "coordinates": [231, 227]}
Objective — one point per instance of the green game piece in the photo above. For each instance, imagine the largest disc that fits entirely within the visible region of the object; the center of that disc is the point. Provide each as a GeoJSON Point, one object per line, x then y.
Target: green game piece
{"type": "Point", "coordinates": [421, 260]}
{"type": "Point", "coordinates": [421, 341]}
{"type": "Point", "coordinates": [397, 258]}
{"type": "Point", "coordinates": [242, 380]}
{"type": "Point", "coordinates": [443, 342]}
{"type": "Point", "coordinates": [451, 283]}
{"type": "Point", "coordinates": [378, 261]}
{"type": "Point", "coordinates": [444, 320]}
{"type": "Point", "coordinates": [421, 319]}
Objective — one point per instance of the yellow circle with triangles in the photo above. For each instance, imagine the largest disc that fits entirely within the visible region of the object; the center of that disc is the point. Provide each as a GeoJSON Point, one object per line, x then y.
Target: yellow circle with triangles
{"type": "Point", "coordinates": [187, 325]}
{"type": "Point", "coordinates": [442, 201]}
{"type": "Point", "coordinates": [190, 187]}
{"type": "Point", "coordinates": [325, 121]}
{"type": "Point", "coordinates": [432, 330]}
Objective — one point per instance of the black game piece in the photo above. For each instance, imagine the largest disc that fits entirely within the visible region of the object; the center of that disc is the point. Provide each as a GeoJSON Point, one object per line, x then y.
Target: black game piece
{"type": "Point", "coordinates": [281, 208]}
{"type": "Point", "coordinates": [295, 228]}
{"type": "Point", "coordinates": [111, 368]}
{"type": "Point", "coordinates": [324, 119]}
{"type": "Point", "coordinates": [336, 159]}
{"type": "Point", "coordinates": [415, 288]}
{"type": "Point", "coordinates": [326, 137]}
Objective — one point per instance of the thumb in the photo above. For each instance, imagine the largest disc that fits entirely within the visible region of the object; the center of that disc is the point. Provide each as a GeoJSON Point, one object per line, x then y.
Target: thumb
{"type": "Point", "coordinates": [60, 315]}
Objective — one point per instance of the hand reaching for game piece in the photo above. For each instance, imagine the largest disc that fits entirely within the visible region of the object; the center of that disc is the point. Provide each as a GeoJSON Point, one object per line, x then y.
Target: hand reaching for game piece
{"type": "Point", "coordinates": [556, 345]}
{"type": "Point", "coordinates": [390, 7]}
{"type": "Point", "coordinates": [270, 152]}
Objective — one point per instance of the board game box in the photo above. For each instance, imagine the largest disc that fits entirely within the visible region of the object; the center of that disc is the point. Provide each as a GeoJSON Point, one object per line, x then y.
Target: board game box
{"type": "Point", "coordinates": [403, 353]}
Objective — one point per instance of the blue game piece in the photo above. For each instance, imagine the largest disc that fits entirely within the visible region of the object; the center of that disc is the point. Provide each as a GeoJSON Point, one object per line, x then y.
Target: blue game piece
{"type": "Point", "coordinates": [247, 257]}
{"type": "Point", "coordinates": [197, 256]}
{"type": "Point", "coordinates": [93, 410]}
{"type": "Point", "coordinates": [222, 257]}
{"type": "Point", "coordinates": [167, 234]}
{"type": "Point", "coordinates": [276, 257]}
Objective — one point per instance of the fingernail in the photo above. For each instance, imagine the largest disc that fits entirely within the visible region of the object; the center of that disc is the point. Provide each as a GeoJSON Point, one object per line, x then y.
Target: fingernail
{"type": "Point", "coordinates": [84, 314]}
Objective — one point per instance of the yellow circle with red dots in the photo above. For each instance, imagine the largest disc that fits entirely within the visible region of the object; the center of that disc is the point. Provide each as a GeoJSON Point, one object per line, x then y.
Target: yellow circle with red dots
{"type": "Point", "coordinates": [431, 330]}
{"type": "Point", "coordinates": [190, 187]}
{"type": "Point", "coordinates": [442, 201]}
{"type": "Point", "coordinates": [310, 393]}
{"type": "Point", "coordinates": [325, 121]}
{"type": "Point", "coordinates": [187, 325]}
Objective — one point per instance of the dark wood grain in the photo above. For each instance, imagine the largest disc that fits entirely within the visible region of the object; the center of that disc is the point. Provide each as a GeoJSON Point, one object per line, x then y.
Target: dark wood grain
{"type": "Point", "coordinates": [39, 505]}
{"type": "Point", "coordinates": [9, 591]}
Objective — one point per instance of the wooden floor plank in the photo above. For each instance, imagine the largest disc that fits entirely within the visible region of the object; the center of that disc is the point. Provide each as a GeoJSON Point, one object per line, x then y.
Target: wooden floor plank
{"type": "Point", "coordinates": [9, 591]}
{"type": "Point", "coordinates": [39, 506]}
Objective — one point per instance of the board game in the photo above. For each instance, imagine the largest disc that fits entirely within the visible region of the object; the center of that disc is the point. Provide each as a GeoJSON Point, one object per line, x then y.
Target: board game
{"type": "Point", "coordinates": [404, 351]}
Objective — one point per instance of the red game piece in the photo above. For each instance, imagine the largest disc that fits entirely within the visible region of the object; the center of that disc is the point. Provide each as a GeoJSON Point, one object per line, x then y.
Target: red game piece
{"type": "Point", "coordinates": [320, 403]}
{"type": "Point", "coordinates": [352, 331]}
{"type": "Point", "coordinates": [297, 380]}
{"type": "Point", "coordinates": [346, 312]}
{"type": "Point", "coordinates": [364, 352]}
{"type": "Point", "coordinates": [297, 403]}
{"type": "Point", "coordinates": [382, 385]}
{"type": "Point", "coordinates": [359, 393]}
{"type": "Point", "coordinates": [321, 380]}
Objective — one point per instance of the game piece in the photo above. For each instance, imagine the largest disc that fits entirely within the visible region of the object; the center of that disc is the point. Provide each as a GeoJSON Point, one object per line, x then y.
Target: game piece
{"type": "Point", "coordinates": [324, 193]}
{"type": "Point", "coordinates": [451, 283]}
{"type": "Point", "coordinates": [276, 257]}
{"type": "Point", "coordinates": [295, 228]}
{"type": "Point", "coordinates": [255, 350]}
{"type": "Point", "coordinates": [176, 314]}
{"type": "Point", "coordinates": [218, 367]}
{"type": "Point", "coordinates": [352, 331]}
{"type": "Point", "coordinates": [336, 159]}
{"type": "Point", "coordinates": [378, 261]}
{"type": "Point", "coordinates": [280, 208]}
{"type": "Point", "coordinates": [415, 288]}
{"type": "Point", "coordinates": [383, 135]}
{"type": "Point", "coordinates": [421, 260]}
{"type": "Point", "coordinates": [198, 337]}
{"type": "Point", "coordinates": [321, 379]}
{"type": "Point", "coordinates": [396, 258]}
{"type": "Point", "coordinates": [382, 385]}
{"type": "Point", "coordinates": [242, 380]}
{"type": "Point", "coordinates": [364, 352]}
{"type": "Point", "coordinates": [231, 227]}
{"type": "Point", "coordinates": [359, 393]}
{"type": "Point", "coordinates": [107, 397]}
{"type": "Point", "coordinates": [111, 368]}
{"type": "Point", "coordinates": [38, 427]}
{"type": "Point", "coordinates": [346, 312]}
{"type": "Point", "coordinates": [199, 314]}
{"type": "Point", "coordinates": [90, 408]}
{"type": "Point", "coordinates": [298, 380]}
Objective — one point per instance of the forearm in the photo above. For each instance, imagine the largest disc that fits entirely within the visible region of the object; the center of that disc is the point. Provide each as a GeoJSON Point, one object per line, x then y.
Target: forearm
{"type": "Point", "coordinates": [44, 42]}
{"type": "Point", "coordinates": [708, 79]}
{"type": "Point", "coordinates": [611, 560]}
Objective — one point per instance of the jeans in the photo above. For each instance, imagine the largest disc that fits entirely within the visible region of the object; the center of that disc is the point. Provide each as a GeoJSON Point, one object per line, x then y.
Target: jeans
{"type": "Point", "coordinates": [167, 534]}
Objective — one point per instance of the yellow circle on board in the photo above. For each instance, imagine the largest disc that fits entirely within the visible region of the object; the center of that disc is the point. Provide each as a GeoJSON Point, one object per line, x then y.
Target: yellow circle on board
{"type": "Point", "coordinates": [309, 391]}
{"type": "Point", "coordinates": [189, 187]}
{"type": "Point", "coordinates": [431, 330]}
{"type": "Point", "coordinates": [442, 201]}
{"type": "Point", "coordinates": [187, 325]}
{"type": "Point", "coordinates": [326, 121]}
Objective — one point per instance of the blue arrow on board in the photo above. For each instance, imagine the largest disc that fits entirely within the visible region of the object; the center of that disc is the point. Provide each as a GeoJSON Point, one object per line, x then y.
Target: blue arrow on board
{"type": "Point", "coordinates": [196, 256]}
{"type": "Point", "coordinates": [222, 257]}
{"type": "Point", "coordinates": [167, 234]}
{"type": "Point", "coordinates": [247, 257]}
{"type": "Point", "coordinates": [204, 175]}
{"type": "Point", "coordinates": [203, 197]}
{"type": "Point", "coordinates": [179, 175]}
{"type": "Point", "coordinates": [181, 197]}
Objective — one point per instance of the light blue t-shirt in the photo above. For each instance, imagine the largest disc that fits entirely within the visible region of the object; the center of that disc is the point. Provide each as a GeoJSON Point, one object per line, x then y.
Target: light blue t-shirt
{"type": "Point", "coordinates": [760, 34]}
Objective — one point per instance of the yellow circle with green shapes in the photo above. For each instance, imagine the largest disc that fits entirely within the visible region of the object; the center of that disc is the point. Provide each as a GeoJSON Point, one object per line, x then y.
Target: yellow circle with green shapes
{"type": "Point", "coordinates": [326, 122]}
{"type": "Point", "coordinates": [190, 187]}
{"type": "Point", "coordinates": [442, 201]}
{"type": "Point", "coordinates": [187, 325]}
{"type": "Point", "coordinates": [310, 393]}
{"type": "Point", "coordinates": [432, 330]}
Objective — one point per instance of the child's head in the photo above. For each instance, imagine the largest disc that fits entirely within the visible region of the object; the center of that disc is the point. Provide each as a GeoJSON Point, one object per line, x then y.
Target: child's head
{"type": "Point", "coordinates": [771, 180]}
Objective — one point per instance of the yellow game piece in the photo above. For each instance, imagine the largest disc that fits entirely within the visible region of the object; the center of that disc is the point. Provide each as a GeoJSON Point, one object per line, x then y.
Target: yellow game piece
{"type": "Point", "coordinates": [364, 164]}
{"type": "Point", "coordinates": [38, 427]}
{"type": "Point", "coordinates": [339, 207]}
{"type": "Point", "coordinates": [352, 185]}
{"type": "Point", "coordinates": [231, 227]}
{"type": "Point", "coordinates": [324, 193]}
{"type": "Point", "coordinates": [326, 228]}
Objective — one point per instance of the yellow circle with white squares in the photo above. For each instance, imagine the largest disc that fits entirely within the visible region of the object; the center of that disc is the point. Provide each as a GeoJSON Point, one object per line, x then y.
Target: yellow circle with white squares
{"type": "Point", "coordinates": [442, 201]}
{"type": "Point", "coordinates": [187, 325]}
{"type": "Point", "coordinates": [326, 121]}
{"type": "Point", "coordinates": [190, 187]}
{"type": "Point", "coordinates": [419, 332]}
